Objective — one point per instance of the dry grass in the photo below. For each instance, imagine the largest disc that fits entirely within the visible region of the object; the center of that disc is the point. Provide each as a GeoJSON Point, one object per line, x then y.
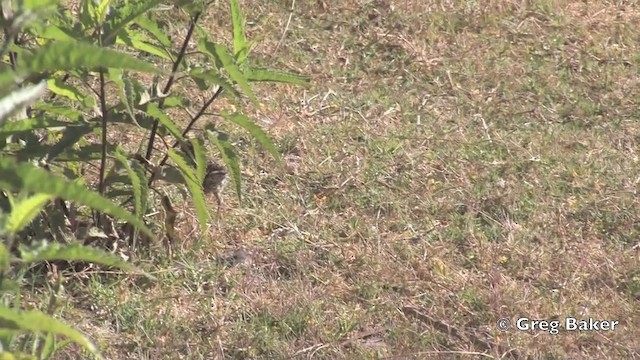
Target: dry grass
{"type": "Point", "coordinates": [453, 163]}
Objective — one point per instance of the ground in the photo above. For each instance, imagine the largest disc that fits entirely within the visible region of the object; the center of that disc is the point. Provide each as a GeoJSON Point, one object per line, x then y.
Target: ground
{"type": "Point", "coordinates": [452, 163]}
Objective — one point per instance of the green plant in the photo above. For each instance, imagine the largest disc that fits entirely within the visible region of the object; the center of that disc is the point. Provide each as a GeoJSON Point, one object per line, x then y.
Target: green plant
{"type": "Point", "coordinates": [59, 169]}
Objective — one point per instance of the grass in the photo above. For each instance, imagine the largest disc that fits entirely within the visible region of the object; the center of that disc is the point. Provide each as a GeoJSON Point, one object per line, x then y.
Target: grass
{"type": "Point", "coordinates": [453, 163]}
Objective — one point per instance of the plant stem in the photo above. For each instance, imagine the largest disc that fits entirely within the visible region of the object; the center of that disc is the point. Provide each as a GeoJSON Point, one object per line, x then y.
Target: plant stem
{"type": "Point", "coordinates": [167, 87]}
{"type": "Point", "coordinates": [103, 140]}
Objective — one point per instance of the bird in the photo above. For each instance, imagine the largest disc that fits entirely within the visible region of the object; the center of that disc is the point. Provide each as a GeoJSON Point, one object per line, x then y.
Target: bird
{"type": "Point", "coordinates": [215, 180]}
